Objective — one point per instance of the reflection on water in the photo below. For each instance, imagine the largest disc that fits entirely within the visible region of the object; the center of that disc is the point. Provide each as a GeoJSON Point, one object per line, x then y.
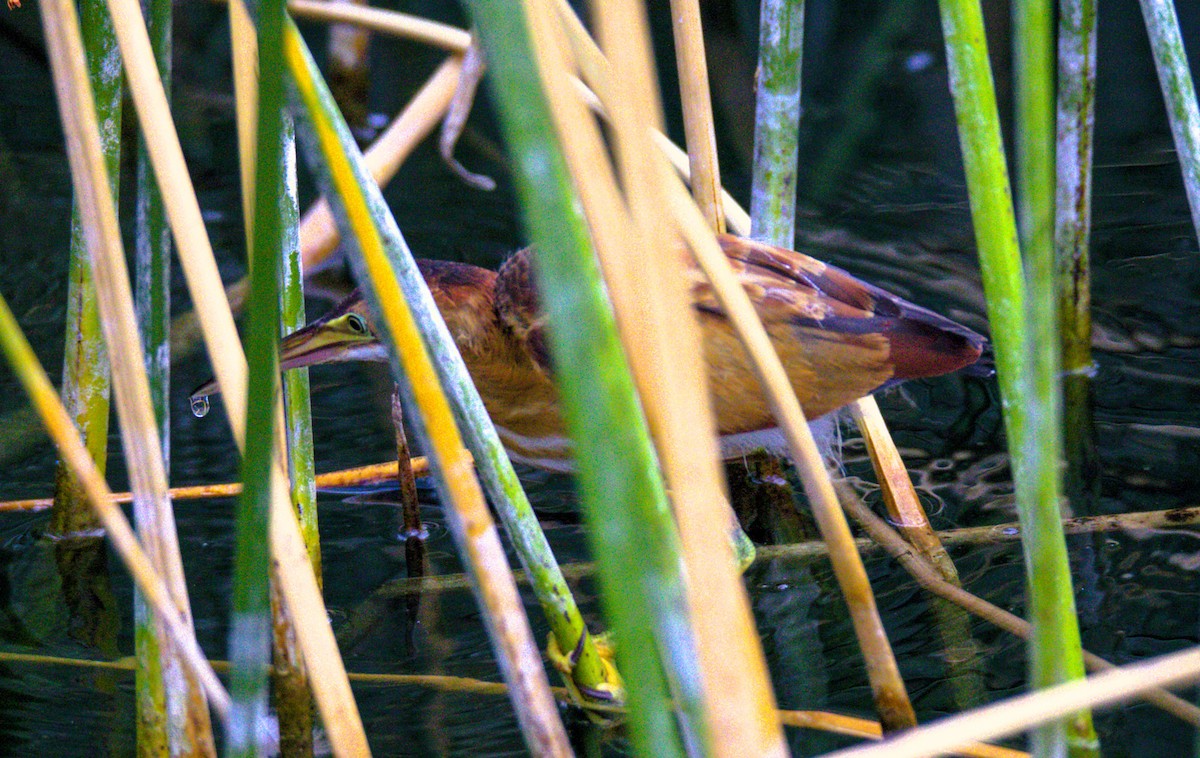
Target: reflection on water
{"type": "Point", "coordinates": [1136, 591]}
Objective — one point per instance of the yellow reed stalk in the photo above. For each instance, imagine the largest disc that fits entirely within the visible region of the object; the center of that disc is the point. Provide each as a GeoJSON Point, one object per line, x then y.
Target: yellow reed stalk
{"type": "Point", "coordinates": [139, 428]}
{"type": "Point", "coordinates": [394, 23]}
{"type": "Point", "coordinates": [1018, 714]}
{"type": "Point", "coordinates": [244, 46]}
{"type": "Point", "coordinates": [898, 493]}
{"type": "Point", "coordinates": [736, 217]}
{"type": "Point", "coordinates": [697, 111]}
{"type": "Point", "coordinates": [671, 381]}
{"type": "Point", "coordinates": [331, 688]}
{"type": "Point", "coordinates": [890, 694]}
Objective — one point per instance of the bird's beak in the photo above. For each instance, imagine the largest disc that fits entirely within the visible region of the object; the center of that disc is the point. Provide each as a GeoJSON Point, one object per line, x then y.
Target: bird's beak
{"type": "Point", "coordinates": [336, 339]}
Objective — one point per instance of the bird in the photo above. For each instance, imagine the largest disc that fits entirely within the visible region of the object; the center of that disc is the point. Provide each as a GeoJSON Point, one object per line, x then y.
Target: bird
{"type": "Point", "coordinates": [839, 339]}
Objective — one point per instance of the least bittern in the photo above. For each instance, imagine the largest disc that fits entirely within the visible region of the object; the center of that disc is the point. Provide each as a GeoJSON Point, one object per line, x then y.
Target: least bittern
{"type": "Point", "coordinates": [839, 339]}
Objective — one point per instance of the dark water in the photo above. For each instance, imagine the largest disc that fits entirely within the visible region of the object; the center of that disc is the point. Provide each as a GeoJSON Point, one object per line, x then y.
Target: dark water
{"type": "Point", "coordinates": [897, 190]}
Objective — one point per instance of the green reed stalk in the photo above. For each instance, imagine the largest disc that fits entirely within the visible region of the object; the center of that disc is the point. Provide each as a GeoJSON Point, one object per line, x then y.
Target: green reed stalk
{"type": "Point", "coordinates": [86, 373]}
{"type": "Point", "coordinates": [1058, 651]}
{"type": "Point", "coordinates": [250, 627]}
{"type": "Point", "coordinates": [777, 122]}
{"type": "Point", "coordinates": [1179, 93]}
{"type": "Point", "coordinates": [1073, 221]}
{"type": "Point", "coordinates": [773, 183]}
{"type": "Point", "coordinates": [631, 533]}
{"type": "Point", "coordinates": [152, 299]}
{"type": "Point", "coordinates": [1055, 652]}
{"type": "Point", "coordinates": [293, 702]}
{"type": "Point", "coordinates": [499, 479]}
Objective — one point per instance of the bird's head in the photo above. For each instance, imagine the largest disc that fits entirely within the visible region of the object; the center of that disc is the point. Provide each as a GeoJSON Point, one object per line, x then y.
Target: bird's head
{"type": "Point", "coordinates": [346, 333]}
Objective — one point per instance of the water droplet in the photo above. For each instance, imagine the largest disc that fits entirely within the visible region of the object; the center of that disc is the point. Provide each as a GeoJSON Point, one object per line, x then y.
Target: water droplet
{"type": "Point", "coordinates": [200, 406]}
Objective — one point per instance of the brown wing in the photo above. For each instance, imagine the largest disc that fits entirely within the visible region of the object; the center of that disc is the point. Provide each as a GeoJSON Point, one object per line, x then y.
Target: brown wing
{"type": "Point", "coordinates": [816, 295]}
{"type": "Point", "coordinates": [518, 306]}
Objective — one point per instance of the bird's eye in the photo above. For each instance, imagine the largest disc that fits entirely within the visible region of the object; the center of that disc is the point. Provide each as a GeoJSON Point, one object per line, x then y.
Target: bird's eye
{"type": "Point", "coordinates": [357, 324]}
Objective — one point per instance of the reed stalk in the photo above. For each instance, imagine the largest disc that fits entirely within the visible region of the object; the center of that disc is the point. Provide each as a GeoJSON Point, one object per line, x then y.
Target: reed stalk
{"type": "Point", "coordinates": [777, 122]}
{"type": "Point", "coordinates": [661, 334]}
{"type": "Point", "coordinates": [152, 300]}
{"type": "Point", "coordinates": [290, 687]}
{"type": "Point", "coordinates": [250, 635]}
{"type": "Point", "coordinates": [1055, 649]}
{"type": "Point", "coordinates": [904, 508]}
{"type": "Point", "coordinates": [1057, 653]}
{"type": "Point", "coordinates": [1072, 235]}
{"type": "Point", "coordinates": [1166, 41]}
{"type": "Point", "coordinates": [359, 206]}
{"type": "Point", "coordinates": [292, 700]}
{"type": "Point", "coordinates": [86, 381]}
{"type": "Point", "coordinates": [699, 132]}
{"type": "Point", "coordinates": [929, 578]}
{"type": "Point", "coordinates": [189, 727]}
{"type": "Point", "coordinates": [883, 672]}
